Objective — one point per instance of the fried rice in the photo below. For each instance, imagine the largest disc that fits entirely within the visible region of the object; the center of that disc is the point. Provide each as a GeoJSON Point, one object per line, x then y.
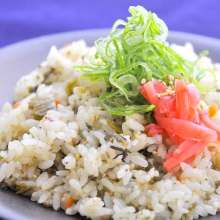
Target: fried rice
{"type": "Point", "coordinates": [62, 149]}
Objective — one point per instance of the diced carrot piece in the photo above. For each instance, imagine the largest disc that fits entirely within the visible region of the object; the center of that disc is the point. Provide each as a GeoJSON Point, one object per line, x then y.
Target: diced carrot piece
{"type": "Point", "coordinates": [57, 102]}
{"type": "Point", "coordinates": [212, 110]}
{"type": "Point", "coordinates": [16, 104]}
{"type": "Point", "coordinates": [69, 202]}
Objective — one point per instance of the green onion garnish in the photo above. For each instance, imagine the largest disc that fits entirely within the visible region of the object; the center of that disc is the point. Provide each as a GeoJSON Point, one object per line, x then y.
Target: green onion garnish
{"type": "Point", "coordinates": [135, 49]}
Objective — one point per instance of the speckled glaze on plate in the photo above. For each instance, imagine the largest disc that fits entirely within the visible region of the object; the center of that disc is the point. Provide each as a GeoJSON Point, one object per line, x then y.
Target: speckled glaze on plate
{"type": "Point", "coordinates": [19, 59]}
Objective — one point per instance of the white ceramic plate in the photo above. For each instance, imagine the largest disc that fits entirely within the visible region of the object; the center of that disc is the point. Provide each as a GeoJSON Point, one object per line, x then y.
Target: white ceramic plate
{"type": "Point", "coordinates": [19, 59]}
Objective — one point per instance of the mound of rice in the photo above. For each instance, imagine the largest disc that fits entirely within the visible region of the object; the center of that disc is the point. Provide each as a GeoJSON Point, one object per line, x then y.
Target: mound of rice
{"type": "Point", "coordinates": [61, 148]}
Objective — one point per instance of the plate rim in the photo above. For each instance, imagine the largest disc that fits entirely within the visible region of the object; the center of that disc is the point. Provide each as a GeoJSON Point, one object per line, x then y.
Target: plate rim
{"type": "Point", "coordinates": [172, 33]}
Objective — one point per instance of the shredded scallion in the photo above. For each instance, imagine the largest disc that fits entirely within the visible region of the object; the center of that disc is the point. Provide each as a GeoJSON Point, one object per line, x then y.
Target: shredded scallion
{"type": "Point", "coordinates": [135, 49]}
